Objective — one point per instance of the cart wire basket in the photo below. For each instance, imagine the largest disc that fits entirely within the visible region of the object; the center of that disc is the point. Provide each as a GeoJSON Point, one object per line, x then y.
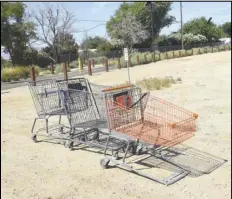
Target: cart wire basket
{"type": "Point", "coordinates": [152, 120]}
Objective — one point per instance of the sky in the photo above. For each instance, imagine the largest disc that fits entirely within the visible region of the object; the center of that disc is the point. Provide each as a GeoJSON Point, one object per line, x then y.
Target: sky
{"type": "Point", "coordinates": [102, 11]}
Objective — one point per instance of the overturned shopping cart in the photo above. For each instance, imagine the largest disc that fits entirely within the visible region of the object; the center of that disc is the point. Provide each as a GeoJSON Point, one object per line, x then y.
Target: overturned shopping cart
{"type": "Point", "coordinates": [137, 124]}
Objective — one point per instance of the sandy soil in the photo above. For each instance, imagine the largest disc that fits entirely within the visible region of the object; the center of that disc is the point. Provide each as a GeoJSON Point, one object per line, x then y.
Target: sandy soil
{"type": "Point", "coordinates": [44, 170]}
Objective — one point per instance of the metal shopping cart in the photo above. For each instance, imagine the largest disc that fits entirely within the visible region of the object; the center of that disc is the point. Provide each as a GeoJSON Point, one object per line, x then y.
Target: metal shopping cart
{"type": "Point", "coordinates": [48, 103]}
{"type": "Point", "coordinates": [86, 113]}
{"type": "Point", "coordinates": [154, 123]}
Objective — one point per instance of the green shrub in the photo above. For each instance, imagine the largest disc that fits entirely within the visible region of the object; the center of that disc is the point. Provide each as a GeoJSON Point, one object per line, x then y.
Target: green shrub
{"type": "Point", "coordinates": [15, 73]}
{"type": "Point", "coordinates": [60, 68]}
{"type": "Point", "coordinates": [149, 58]}
{"type": "Point", "coordinates": [112, 62]}
{"type": "Point", "coordinates": [98, 60]}
{"type": "Point", "coordinates": [73, 64]}
{"type": "Point", "coordinates": [176, 54]}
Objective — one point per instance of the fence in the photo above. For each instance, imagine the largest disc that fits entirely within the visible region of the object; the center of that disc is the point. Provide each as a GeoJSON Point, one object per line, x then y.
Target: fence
{"type": "Point", "coordinates": [88, 54]}
{"type": "Point", "coordinates": [144, 58]}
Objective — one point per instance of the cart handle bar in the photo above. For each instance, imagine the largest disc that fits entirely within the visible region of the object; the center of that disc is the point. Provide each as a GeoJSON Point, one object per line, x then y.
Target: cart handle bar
{"type": "Point", "coordinates": [117, 88]}
{"type": "Point", "coordinates": [131, 106]}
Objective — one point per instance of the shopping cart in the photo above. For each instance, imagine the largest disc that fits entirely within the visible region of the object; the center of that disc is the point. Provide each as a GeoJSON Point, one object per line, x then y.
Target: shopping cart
{"type": "Point", "coordinates": [48, 103]}
{"type": "Point", "coordinates": [86, 113]}
{"type": "Point", "coordinates": [154, 123]}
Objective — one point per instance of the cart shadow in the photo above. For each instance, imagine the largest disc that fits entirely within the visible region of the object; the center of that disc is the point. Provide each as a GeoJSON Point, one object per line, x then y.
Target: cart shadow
{"type": "Point", "coordinates": [175, 159]}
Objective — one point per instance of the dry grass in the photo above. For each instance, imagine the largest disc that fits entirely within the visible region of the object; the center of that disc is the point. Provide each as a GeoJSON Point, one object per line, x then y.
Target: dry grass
{"type": "Point", "coordinates": [15, 73]}
{"type": "Point", "coordinates": [155, 83]}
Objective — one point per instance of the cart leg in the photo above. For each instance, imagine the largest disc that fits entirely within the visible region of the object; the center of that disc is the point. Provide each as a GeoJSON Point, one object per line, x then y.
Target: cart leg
{"type": "Point", "coordinates": [60, 119]}
{"type": "Point", "coordinates": [125, 154]}
{"type": "Point", "coordinates": [46, 125]}
{"type": "Point", "coordinates": [32, 131]}
{"type": "Point", "coordinates": [69, 143]}
{"type": "Point", "coordinates": [107, 142]}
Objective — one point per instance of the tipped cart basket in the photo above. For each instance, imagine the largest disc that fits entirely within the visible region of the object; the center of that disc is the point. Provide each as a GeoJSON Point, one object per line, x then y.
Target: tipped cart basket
{"type": "Point", "coordinates": [136, 127]}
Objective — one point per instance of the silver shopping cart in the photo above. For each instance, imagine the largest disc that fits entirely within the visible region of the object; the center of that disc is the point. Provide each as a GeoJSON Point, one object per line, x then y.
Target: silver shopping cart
{"type": "Point", "coordinates": [48, 103]}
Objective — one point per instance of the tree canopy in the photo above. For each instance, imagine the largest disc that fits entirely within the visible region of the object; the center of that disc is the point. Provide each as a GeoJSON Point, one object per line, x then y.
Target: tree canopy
{"type": "Point", "coordinates": [142, 14]}
{"type": "Point", "coordinates": [128, 31]}
{"type": "Point", "coordinates": [16, 32]}
{"type": "Point", "coordinates": [56, 25]}
{"type": "Point", "coordinates": [226, 27]}
{"type": "Point", "coordinates": [93, 42]}
{"type": "Point", "coordinates": [204, 27]}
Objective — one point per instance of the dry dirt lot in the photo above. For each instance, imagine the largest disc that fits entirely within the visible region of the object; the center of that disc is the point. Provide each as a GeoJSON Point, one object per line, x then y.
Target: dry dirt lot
{"type": "Point", "coordinates": [44, 170]}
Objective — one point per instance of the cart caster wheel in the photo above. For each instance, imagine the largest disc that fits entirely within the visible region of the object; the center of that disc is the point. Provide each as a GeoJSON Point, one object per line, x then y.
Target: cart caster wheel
{"type": "Point", "coordinates": [115, 155]}
{"type": "Point", "coordinates": [34, 138]}
{"type": "Point", "coordinates": [82, 138]}
{"type": "Point", "coordinates": [139, 151]}
{"type": "Point", "coordinates": [104, 163]}
{"type": "Point", "coordinates": [96, 136]}
{"type": "Point", "coordinates": [61, 129]}
{"type": "Point", "coordinates": [132, 150]}
{"type": "Point", "coordinates": [69, 145]}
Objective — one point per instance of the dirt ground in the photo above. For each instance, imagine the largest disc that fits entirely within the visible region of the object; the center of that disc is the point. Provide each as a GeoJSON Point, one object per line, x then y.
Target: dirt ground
{"type": "Point", "coordinates": [44, 170]}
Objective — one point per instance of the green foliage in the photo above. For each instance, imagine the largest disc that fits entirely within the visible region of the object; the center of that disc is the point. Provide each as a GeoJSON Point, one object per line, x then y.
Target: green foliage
{"type": "Point", "coordinates": [105, 47]}
{"type": "Point", "coordinates": [73, 64]}
{"type": "Point", "coordinates": [16, 73]}
{"type": "Point", "coordinates": [16, 32]}
{"type": "Point", "coordinates": [93, 42]}
{"type": "Point", "coordinates": [3, 61]}
{"type": "Point", "coordinates": [128, 31]}
{"type": "Point", "coordinates": [160, 15]}
{"type": "Point", "coordinates": [204, 27]}
{"type": "Point", "coordinates": [67, 45]}
{"type": "Point", "coordinates": [226, 27]}
{"type": "Point", "coordinates": [59, 68]}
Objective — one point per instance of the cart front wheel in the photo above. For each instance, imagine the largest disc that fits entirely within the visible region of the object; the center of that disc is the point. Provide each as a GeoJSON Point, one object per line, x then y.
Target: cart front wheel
{"type": "Point", "coordinates": [115, 155]}
{"type": "Point", "coordinates": [104, 163]}
{"type": "Point", "coordinates": [34, 138]}
{"type": "Point", "coordinates": [69, 145]}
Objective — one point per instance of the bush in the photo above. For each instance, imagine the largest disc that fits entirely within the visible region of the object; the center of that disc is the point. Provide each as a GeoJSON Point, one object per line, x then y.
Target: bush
{"type": "Point", "coordinates": [98, 60]}
{"type": "Point", "coordinates": [157, 83]}
{"type": "Point", "coordinates": [73, 64]}
{"type": "Point", "coordinates": [16, 73]}
{"type": "Point", "coordinates": [60, 68]}
{"type": "Point", "coordinates": [111, 62]}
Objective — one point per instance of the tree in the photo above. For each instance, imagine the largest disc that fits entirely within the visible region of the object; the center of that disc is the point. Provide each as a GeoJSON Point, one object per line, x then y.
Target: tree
{"type": "Point", "coordinates": [204, 27]}
{"type": "Point", "coordinates": [142, 14]}
{"type": "Point", "coordinates": [67, 43]}
{"type": "Point", "coordinates": [226, 27]}
{"type": "Point", "coordinates": [128, 31]}
{"type": "Point", "coordinates": [93, 42]}
{"type": "Point", "coordinates": [106, 47]}
{"type": "Point", "coordinates": [55, 24]}
{"type": "Point", "coordinates": [16, 32]}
